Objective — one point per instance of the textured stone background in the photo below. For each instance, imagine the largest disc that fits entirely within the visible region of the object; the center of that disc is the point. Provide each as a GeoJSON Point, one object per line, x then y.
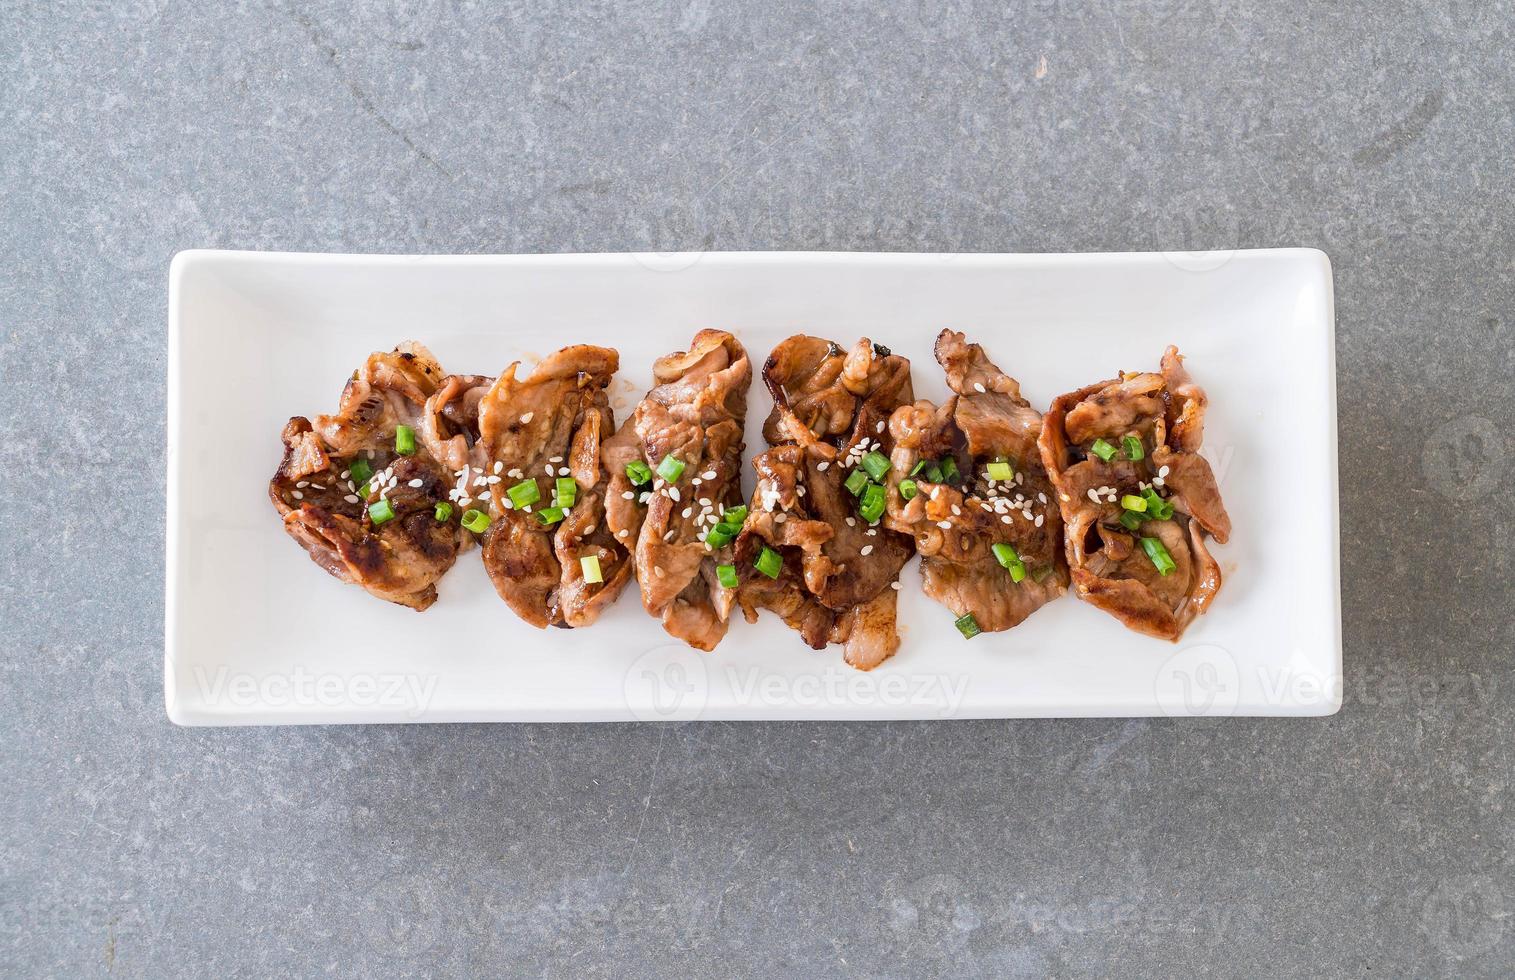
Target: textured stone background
{"type": "Point", "coordinates": [1374, 842]}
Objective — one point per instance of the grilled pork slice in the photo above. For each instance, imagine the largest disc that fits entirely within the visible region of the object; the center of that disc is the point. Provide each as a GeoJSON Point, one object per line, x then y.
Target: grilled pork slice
{"type": "Point", "coordinates": [967, 482]}
{"type": "Point", "coordinates": [813, 548]}
{"type": "Point", "coordinates": [674, 472]}
{"type": "Point", "coordinates": [1138, 499]}
{"type": "Point", "coordinates": [358, 489]}
{"type": "Point", "coordinates": [526, 451]}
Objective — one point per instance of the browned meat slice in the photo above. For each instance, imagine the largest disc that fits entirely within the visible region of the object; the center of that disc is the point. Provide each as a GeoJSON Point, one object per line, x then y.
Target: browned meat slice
{"type": "Point", "coordinates": [1135, 441]}
{"type": "Point", "coordinates": [536, 440]}
{"type": "Point", "coordinates": [687, 434]}
{"type": "Point", "coordinates": [811, 550]}
{"type": "Point", "coordinates": [967, 477]}
{"type": "Point", "coordinates": [361, 500]}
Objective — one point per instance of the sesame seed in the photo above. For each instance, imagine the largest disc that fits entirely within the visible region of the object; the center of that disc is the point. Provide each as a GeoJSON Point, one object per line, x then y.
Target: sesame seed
{"type": "Point", "coordinates": [622, 533]}
{"type": "Point", "coordinates": [696, 482]}
{"type": "Point", "coordinates": [554, 459]}
{"type": "Point", "coordinates": [344, 474]}
{"type": "Point", "coordinates": [527, 417]}
{"type": "Point", "coordinates": [1005, 519]}
{"type": "Point", "coordinates": [673, 494]}
{"type": "Point", "coordinates": [351, 498]}
{"type": "Point", "coordinates": [297, 495]}
{"type": "Point", "coordinates": [417, 482]}
{"type": "Point", "coordinates": [1038, 521]}
{"type": "Point", "coordinates": [1163, 471]}
{"type": "Point", "coordinates": [880, 426]}
{"type": "Point", "coordinates": [548, 469]}
{"type": "Point", "coordinates": [658, 571]}
{"type": "Point", "coordinates": [527, 508]}
{"type": "Point", "coordinates": [978, 386]}
{"type": "Point", "coordinates": [628, 495]}
{"type": "Point", "coordinates": [800, 491]}
{"type": "Point", "coordinates": [895, 586]}
{"type": "Point", "coordinates": [851, 522]}
{"type": "Point", "coordinates": [704, 501]}
{"type": "Point", "coordinates": [493, 480]}
{"type": "Point", "coordinates": [509, 504]}
{"type": "Point", "coordinates": [1041, 498]}
{"type": "Point", "coordinates": [944, 525]}
{"type": "Point", "coordinates": [871, 532]}
{"type": "Point", "coordinates": [515, 474]}
{"type": "Point", "coordinates": [822, 466]}
{"type": "Point", "coordinates": [687, 512]}
{"type": "Point", "coordinates": [957, 511]}
{"type": "Point", "coordinates": [303, 484]}
{"type": "Point", "coordinates": [867, 550]}
{"type": "Point", "coordinates": [780, 517]}
{"type": "Point", "coordinates": [590, 530]}
{"type": "Point", "coordinates": [563, 471]}
{"type": "Point", "coordinates": [498, 466]}
{"type": "Point", "coordinates": [708, 475]}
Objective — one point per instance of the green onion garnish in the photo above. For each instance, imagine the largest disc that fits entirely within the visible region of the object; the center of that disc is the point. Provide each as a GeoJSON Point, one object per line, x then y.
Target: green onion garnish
{"type": "Point", "coordinates": [876, 463]}
{"type": "Point", "coordinates": [908, 489]}
{"type": "Point", "coordinates": [365, 490]}
{"type": "Point", "coordinates": [550, 515]}
{"type": "Point", "coordinates": [524, 494]}
{"type": "Point", "coordinates": [590, 564]}
{"type": "Point", "coordinates": [567, 491]}
{"type": "Point", "coordinates": [949, 470]}
{"type": "Point", "coordinates": [405, 440]}
{"type": "Point", "coordinates": [1000, 470]}
{"type": "Point", "coordinates": [475, 520]}
{"type": "Point", "coordinates": [856, 481]}
{"type": "Point", "coordinates": [1006, 555]}
{"type": "Point", "coordinates": [920, 467]}
{"type": "Point", "coordinates": [1131, 520]}
{"type": "Point", "coordinates": [769, 562]}
{"type": "Point", "coordinates": [734, 516]}
{"type": "Point", "coordinates": [720, 536]}
{"type": "Point", "coordinates": [1102, 449]}
{"type": "Point", "coordinates": [726, 575]}
{"type": "Point", "coordinates": [444, 511]}
{"type": "Point", "coordinates": [360, 471]}
{"type": "Point", "coordinates": [1159, 555]}
{"type": "Point", "coordinates": [872, 506]}
{"type": "Point", "coordinates": [670, 469]}
{"type": "Point", "coordinates": [1132, 502]}
{"type": "Point", "coordinates": [1158, 509]}
{"type": "Point", "coordinates": [968, 626]}
{"type": "Point", "coordinates": [639, 473]}
{"type": "Point", "coordinates": [1132, 446]}
{"type": "Point", "coordinates": [380, 511]}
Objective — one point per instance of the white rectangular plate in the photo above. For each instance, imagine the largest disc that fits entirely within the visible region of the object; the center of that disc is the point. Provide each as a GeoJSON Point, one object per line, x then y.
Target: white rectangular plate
{"type": "Point", "coordinates": [257, 634]}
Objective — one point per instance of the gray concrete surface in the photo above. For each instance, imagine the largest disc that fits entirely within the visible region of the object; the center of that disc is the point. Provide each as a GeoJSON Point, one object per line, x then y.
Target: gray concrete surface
{"type": "Point", "coordinates": [1377, 842]}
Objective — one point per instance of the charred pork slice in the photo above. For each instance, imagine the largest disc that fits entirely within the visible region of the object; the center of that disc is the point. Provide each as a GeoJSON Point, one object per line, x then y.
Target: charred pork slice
{"type": "Point", "coordinates": [1138, 499]}
{"type": "Point", "coordinates": [359, 489]}
{"type": "Point", "coordinates": [524, 457]}
{"type": "Point", "coordinates": [676, 487]}
{"type": "Point", "coordinates": [814, 548]}
{"type": "Point", "coordinates": [967, 482]}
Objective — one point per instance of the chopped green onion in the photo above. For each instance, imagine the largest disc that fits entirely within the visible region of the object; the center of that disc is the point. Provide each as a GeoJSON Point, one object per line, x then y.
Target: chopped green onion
{"type": "Point", "coordinates": [405, 440]}
{"type": "Point", "coordinates": [856, 481]}
{"type": "Point", "coordinates": [1158, 509]}
{"type": "Point", "coordinates": [524, 494]}
{"type": "Point", "coordinates": [720, 536]}
{"type": "Point", "coordinates": [967, 625]}
{"type": "Point", "coordinates": [381, 511]}
{"type": "Point", "coordinates": [1159, 555]}
{"type": "Point", "coordinates": [639, 473]}
{"type": "Point", "coordinates": [872, 506]}
{"type": "Point", "coordinates": [550, 515]}
{"type": "Point", "coordinates": [734, 515]}
{"type": "Point", "coordinates": [908, 489]}
{"type": "Point", "coordinates": [1132, 502]}
{"type": "Point", "coordinates": [920, 467]}
{"type": "Point", "coordinates": [444, 511]}
{"type": "Point", "coordinates": [1006, 555]}
{"type": "Point", "coordinates": [567, 491]}
{"type": "Point", "coordinates": [360, 471]}
{"type": "Point", "coordinates": [475, 520]}
{"type": "Point", "coordinates": [876, 463]}
{"type": "Point", "coordinates": [1000, 470]}
{"type": "Point", "coordinates": [670, 469]}
{"type": "Point", "coordinates": [1131, 520]}
{"type": "Point", "coordinates": [769, 562]}
{"type": "Point", "coordinates": [590, 564]}
{"type": "Point", "coordinates": [1102, 449]}
{"type": "Point", "coordinates": [949, 470]}
{"type": "Point", "coordinates": [365, 490]}
{"type": "Point", "coordinates": [726, 575]}
{"type": "Point", "coordinates": [1132, 446]}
